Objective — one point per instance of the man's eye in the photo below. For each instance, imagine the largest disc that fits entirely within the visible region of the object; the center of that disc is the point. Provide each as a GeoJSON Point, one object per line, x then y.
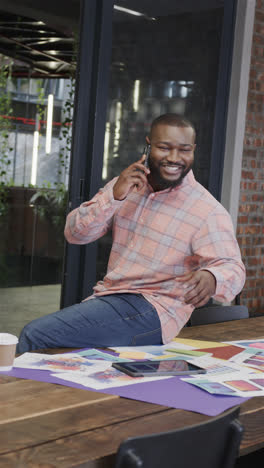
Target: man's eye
{"type": "Point", "coordinates": [185, 150]}
{"type": "Point", "coordinates": [163, 148]}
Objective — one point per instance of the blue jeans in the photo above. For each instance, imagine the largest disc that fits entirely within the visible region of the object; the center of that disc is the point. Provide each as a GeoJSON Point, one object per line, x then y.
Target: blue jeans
{"type": "Point", "coordinates": [112, 320]}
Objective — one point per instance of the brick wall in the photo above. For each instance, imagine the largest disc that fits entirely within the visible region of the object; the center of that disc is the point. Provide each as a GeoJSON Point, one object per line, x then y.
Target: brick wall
{"type": "Point", "coordinates": [250, 226]}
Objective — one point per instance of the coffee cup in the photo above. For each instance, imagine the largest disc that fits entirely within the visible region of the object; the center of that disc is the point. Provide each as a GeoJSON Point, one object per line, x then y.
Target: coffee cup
{"type": "Point", "coordinates": [8, 344]}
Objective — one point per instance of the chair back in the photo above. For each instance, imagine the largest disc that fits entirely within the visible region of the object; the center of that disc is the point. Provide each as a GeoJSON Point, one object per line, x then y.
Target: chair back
{"type": "Point", "coordinates": [218, 313]}
{"type": "Point", "coordinates": [213, 444]}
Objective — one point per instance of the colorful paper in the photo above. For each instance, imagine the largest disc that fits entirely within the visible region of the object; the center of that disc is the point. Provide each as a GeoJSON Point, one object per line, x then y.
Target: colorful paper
{"type": "Point", "coordinates": [250, 357]}
{"type": "Point", "coordinates": [238, 385]}
{"type": "Point", "coordinates": [223, 352]}
{"type": "Point", "coordinates": [171, 392]}
{"type": "Point", "coordinates": [70, 362]}
{"type": "Point", "coordinates": [188, 352]}
{"type": "Point", "coordinates": [197, 344]}
{"type": "Point", "coordinates": [259, 343]}
{"type": "Point", "coordinates": [95, 354]}
{"type": "Point", "coordinates": [108, 378]}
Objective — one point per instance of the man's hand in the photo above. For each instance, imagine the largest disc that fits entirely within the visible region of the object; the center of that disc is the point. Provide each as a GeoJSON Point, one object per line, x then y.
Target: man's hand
{"type": "Point", "coordinates": [133, 175]}
{"type": "Point", "coordinates": [199, 287]}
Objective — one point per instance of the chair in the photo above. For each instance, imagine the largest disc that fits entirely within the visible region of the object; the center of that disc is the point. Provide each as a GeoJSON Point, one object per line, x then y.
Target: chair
{"type": "Point", "coordinates": [213, 444]}
{"type": "Point", "coordinates": [217, 313]}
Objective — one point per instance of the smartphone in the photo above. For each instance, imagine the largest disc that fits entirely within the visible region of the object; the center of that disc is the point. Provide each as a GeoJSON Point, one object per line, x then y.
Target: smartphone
{"type": "Point", "coordinates": [158, 368]}
{"type": "Point", "coordinates": [146, 151]}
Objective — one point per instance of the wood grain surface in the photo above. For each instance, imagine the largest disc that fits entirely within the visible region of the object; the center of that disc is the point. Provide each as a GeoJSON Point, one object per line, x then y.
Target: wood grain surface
{"type": "Point", "coordinates": [45, 425]}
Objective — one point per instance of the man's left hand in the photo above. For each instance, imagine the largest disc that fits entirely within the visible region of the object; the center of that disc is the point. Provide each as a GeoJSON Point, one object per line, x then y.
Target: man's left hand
{"type": "Point", "coordinates": [198, 287]}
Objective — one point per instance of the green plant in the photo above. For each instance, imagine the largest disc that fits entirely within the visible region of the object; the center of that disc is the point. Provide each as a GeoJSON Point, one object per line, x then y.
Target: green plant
{"type": "Point", "coordinates": [40, 107]}
{"type": "Point", "coordinates": [52, 202]}
{"type": "Point", "coordinates": [51, 206]}
{"type": "Point", "coordinates": [5, 127]}
{"type": "Point", "coordinates": [66, 131]}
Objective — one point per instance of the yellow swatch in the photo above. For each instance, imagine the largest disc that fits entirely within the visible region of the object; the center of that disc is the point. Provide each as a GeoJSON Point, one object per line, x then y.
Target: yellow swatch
{"type": "Point", "coordinates": [133, 355]}
{"type": "Point", "coordinates": [165, 356]}
{"type": "Point", "coordinates": [197, 344]}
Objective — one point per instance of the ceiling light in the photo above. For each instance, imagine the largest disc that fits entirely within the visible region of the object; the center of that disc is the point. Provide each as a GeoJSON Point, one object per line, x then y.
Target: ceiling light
{"type": "Point", "coordinates": [34, 167]}
{"type": "Point", "coordinates": [132, 12]}
{"type": "Point", "coordinates": [49, 123]}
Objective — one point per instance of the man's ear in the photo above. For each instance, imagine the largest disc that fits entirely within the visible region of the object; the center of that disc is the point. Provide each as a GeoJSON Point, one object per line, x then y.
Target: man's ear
{"type": "Point", "coordinates": [147, 140]}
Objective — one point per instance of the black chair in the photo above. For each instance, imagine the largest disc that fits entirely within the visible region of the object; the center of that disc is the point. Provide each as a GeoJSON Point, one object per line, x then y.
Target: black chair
{"type": "Point", "coordinates": [217, 313]}
{"type": "Point", "coordinates": [213, 444]}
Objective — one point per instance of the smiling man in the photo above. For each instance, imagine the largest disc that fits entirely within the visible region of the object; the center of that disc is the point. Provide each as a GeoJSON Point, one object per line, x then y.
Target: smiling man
{"type": "Point", "coordinates": [172, 151]}
{"type": "Point", "coordinates": [173, 249]}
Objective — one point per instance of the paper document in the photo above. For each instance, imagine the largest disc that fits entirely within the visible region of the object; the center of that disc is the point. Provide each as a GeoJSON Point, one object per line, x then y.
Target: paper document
{"type": "Point", "coordinates": [219, 366]}
{"type": "Point", "coordinates": [109, 378]}
{"type": "Point", "coordinates": [69, 362]}
{"type": "Point", "coordinates": [236, 384]}
{"type": "Point", "coordinates": [259, 343]}
{"type": "Point", "coordinates": [250, 357]}
{"type": "Point", "coordinates": [196, 344]}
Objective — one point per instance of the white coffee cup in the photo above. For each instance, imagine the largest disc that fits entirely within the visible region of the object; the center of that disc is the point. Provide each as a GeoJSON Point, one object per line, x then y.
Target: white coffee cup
{"type": "Point", "coordinates": [8, 344]}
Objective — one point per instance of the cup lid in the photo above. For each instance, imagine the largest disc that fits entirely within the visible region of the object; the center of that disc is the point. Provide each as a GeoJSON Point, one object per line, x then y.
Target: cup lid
{"type": "Point", "coordinates": [7, 338]}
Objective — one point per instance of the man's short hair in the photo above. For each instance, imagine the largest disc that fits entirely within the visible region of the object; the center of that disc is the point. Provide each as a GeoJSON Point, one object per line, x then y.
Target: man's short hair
{"type": "Point", "coordinates": [175, 120]}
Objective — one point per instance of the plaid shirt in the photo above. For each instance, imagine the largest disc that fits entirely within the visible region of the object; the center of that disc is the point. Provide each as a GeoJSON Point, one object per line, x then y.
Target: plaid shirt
{"type": "Point", "coordinates": [158, 236]}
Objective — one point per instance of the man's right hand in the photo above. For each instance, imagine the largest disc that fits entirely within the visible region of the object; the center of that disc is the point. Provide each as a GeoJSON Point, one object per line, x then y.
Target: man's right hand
{"type": "Point", "coordinates": [134, 175]}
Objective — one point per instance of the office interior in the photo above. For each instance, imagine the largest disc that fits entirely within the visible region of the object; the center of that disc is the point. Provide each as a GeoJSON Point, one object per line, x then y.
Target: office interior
{"type": "Point", "coordinates": [81, 83]}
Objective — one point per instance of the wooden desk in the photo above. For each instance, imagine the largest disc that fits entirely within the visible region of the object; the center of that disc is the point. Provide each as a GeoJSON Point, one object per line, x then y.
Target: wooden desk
{"type": "Point", "coordinates": [45, 425]}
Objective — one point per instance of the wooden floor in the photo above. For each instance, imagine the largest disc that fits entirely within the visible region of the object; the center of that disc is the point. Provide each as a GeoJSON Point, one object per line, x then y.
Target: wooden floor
{"type": "Point", "coordinates": [19, 306]}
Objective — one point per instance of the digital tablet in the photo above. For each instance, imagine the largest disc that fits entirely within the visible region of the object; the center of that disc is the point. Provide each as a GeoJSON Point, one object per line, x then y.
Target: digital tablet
{"type": "Point", "coordinates": [158, 368]}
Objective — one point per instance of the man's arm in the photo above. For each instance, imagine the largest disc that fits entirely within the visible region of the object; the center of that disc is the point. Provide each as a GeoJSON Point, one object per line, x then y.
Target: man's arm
{"type": "Point", "coordinates": [94, 218]}
{"type": "Point", "coordinates": [222, 273]}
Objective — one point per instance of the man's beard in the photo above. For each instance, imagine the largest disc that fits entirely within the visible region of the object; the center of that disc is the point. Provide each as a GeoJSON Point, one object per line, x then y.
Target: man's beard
{"type": "Point", "coordinates": [163, 183]}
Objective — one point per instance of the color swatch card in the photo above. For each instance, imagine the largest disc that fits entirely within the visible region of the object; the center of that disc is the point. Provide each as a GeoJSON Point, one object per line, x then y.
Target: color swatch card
{"type": "Point", "coordinates": [215, 366]}
{"type": "Point", "coordinates": [259, 343]}
{"type": "Point", "coordinates": [236, 384]}
{"type": "Point", "coordinates": [250, 357]}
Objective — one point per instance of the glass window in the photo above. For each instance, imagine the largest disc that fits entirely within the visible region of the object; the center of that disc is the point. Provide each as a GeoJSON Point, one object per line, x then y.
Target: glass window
{"type": "Point", "coordinates": [35, 139]}
{"type": "Point", "coordinates": [165, 58]}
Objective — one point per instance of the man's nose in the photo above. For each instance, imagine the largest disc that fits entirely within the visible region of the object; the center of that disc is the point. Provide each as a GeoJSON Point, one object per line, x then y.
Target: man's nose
{"type": "Point", "coordinates": [174, 155]}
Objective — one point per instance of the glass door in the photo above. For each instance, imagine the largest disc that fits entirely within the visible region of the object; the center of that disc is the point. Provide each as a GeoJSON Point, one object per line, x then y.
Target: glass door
{"type": "Point", "coordinates": [166, 57]}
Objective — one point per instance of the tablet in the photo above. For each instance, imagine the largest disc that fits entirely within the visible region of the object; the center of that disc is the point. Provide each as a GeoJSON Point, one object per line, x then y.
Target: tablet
{"type": "Point", "coordinates": [158, 368]}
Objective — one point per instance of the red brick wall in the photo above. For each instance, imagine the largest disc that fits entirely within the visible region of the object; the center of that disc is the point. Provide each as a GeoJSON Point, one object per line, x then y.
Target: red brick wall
{"type": "Point", "coordinates": [250, 226]}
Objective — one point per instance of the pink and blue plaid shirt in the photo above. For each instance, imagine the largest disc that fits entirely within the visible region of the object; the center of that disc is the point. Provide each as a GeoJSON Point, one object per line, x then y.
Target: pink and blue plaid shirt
{"type": "Point", "coordinates": [158, 236]}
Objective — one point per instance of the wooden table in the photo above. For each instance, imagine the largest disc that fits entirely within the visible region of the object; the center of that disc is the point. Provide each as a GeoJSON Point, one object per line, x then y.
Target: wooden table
{"type": "Point", "coordinates": [45, 425]}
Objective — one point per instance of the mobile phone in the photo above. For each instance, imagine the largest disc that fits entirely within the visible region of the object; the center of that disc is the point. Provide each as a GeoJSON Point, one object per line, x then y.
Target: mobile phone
{"type": "Point", "coordinates": [158, 368]}
{"type": "Point", "coordinates": [146, 151]}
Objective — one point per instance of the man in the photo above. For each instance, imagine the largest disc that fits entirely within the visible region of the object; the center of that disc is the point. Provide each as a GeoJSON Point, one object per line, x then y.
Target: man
{"type": "Point", "coordinates": [173, 249]}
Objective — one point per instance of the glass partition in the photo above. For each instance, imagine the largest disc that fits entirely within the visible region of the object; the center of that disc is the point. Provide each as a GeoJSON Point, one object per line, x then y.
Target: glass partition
{"type": "Point", "coordinates": [165, 58]}
{"type": "Point", "coordinates": [35, 135]}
